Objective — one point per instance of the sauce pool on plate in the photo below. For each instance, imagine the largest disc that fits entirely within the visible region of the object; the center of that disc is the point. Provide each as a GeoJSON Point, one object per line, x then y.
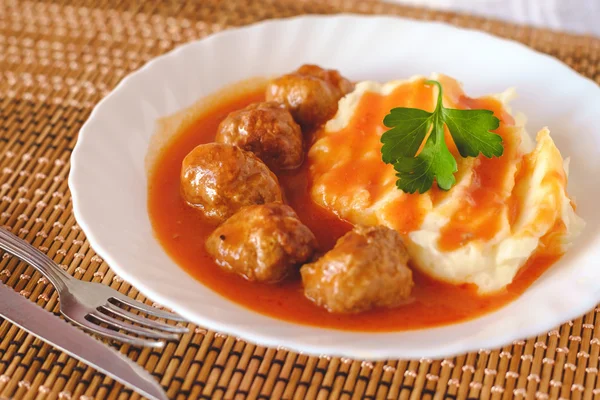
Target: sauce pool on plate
{"type": "Point", "coordinates": [182, 233]}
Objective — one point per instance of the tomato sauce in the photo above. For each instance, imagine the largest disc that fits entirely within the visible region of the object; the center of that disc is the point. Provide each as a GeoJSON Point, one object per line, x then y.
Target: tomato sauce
{"type": "Point", "coordinates": [182, 232]}
{"type": "Point", "coordinates": [357, 174]}
{"type": "Point", "coordinates": [480, 218]}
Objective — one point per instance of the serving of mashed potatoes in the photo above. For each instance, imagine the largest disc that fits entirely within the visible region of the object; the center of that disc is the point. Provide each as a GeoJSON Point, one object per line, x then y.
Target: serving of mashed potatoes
{"type": "Point", "coordinates": [501, 212]}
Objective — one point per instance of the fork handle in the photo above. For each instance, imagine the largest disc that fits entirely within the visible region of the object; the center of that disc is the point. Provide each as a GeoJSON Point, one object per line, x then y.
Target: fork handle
{"type": "Point", "coordinates": [34, 257]}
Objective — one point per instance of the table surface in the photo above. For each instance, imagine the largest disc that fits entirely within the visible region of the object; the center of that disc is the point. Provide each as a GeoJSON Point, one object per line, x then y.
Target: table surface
{"type": "Point", "coordinates": [57, 60]}
{"type": "Point", "coordinates": [577, 16]}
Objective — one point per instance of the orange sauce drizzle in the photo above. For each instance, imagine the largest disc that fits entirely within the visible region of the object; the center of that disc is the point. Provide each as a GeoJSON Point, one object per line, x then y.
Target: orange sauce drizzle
{"type": "Point", "coordinates": [370, 173]}
{"type": "Point", "coordinates": [483, 209]}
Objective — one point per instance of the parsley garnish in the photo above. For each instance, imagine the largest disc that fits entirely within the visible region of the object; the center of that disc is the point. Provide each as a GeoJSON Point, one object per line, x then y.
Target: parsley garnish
{"type": "Point", "coordinates": [470, 130]}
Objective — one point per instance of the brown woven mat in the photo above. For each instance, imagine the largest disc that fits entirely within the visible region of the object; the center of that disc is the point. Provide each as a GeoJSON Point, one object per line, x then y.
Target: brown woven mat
{"type": "Point", "coordinates": [57, 59]}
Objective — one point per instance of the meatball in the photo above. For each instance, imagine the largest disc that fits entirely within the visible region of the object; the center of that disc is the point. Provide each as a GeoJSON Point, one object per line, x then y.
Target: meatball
{"type": "Point", "coordinates": [262, 243]}
{"type": "Point", "coordinates": [366, 269]}
{"type": "Point", "coordinates": [219, 179]}
{"type": "Point", "coordinates": [311, 93]}
{"type": "Point", "coordinates": [267, 130]}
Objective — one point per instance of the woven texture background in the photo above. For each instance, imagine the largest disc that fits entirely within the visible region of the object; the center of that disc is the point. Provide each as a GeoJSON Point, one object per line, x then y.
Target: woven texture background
{"type": "Point", "coordinates": [58, 59]}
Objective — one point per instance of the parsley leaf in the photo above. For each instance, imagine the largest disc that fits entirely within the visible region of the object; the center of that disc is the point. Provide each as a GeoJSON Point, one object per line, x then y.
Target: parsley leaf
{"type": "Point", "coordinates": [434, 161]}
{"type": "Point", "coordinates": [470, 130]}
{"type": "Point", "coordinates": [409, 128]}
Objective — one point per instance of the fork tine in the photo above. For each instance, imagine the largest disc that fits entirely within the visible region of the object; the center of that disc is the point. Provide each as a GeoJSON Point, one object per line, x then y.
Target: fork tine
{"type": "Point", "coordinates": [114, 335]}
{"type": "Point", "coordinates": [143, 320]}
{"type": "Point", "coordinates": [107, 319]}
{"type": "Point", "coordinates": [138, 305]}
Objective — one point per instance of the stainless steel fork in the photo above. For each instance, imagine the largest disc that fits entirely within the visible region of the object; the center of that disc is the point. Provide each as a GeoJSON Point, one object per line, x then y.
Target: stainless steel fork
{"type": "Point", "coordinates": [88, 304]}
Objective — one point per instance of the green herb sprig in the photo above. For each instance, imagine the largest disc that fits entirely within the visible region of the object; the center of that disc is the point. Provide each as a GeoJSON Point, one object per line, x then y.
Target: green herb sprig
{"type": "Point", "coordinates": [470, 130]}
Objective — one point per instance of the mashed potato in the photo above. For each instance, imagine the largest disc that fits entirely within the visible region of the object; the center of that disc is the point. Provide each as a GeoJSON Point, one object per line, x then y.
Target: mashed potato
{"type": "Point", "coordinates": [500, 212]}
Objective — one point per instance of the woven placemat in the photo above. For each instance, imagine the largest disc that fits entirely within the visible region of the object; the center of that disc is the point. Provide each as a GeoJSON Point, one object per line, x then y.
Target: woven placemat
{"type": "Point", "coordinates": [58, 59]}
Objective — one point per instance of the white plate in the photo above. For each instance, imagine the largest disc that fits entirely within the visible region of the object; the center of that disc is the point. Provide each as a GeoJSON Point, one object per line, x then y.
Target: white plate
{"type": "Point", "coordinates": [108, 177]}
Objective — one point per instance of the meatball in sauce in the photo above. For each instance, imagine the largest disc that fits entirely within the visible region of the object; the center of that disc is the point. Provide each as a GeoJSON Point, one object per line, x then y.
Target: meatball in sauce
{"type": "Point", "coordinates": [218, 179]}
{"type": "Point", "coordinates": [268, 130]}
{"type": "Point", "coordinates": [311, 93]}
{"type": "Point", "coordinates": [263, 243]}
{"type": "Point", "coordinates": [366, 268]}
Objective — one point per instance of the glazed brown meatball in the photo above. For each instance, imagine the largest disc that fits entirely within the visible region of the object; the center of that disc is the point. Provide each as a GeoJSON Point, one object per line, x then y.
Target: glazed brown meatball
{"type": "Point", "coordinates": [366, 269]}
{"type": "Point", "coordinates": [268, 130]}
{"type": "Point", "coordinates": [311, 93]}
{"type": "Point", "coordinates": [219, 179]}
{"type": "Point", "coordinates": [262, 243]}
